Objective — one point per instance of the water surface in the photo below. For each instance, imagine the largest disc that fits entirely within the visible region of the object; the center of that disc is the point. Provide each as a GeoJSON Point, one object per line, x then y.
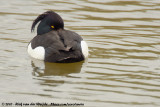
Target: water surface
{"type": "Point", "coordinates": [123, 68]}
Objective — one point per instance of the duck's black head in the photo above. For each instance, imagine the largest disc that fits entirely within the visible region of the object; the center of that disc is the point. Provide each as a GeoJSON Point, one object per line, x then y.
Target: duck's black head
{"type": "Point", "coordinates": [48, 21]}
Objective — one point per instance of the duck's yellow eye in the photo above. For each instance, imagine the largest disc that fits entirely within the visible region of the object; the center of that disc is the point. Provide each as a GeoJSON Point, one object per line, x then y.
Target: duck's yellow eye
{"type": "Point", "coordinates": [52, 26]}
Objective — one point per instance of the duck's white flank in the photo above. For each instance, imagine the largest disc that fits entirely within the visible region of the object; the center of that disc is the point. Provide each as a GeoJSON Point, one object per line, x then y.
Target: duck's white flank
{"type": "Point", "coordinates": [84, 47]}
{"type": "Point", "coordinates": [37, 53]}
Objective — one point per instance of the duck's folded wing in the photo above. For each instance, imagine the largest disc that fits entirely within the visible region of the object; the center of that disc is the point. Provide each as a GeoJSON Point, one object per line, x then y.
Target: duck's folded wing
{"type": "Point", "coordinates": [70, 39]}
{"type": "Point", "coordinates": [72, 43]}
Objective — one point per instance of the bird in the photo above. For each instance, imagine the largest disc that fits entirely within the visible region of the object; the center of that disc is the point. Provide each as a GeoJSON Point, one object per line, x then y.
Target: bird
{"type": "Point", "coordinates": [55, 44]}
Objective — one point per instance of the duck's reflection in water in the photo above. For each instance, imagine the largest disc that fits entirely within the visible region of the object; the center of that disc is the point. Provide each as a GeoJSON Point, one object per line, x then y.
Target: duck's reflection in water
{"type": "Point", "coordinates": [47, 72]}
{"type": "Point", "coordinates": [41, 68]}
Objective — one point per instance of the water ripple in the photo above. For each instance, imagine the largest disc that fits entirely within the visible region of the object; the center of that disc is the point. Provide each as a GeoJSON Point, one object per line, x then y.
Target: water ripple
{"type": "Point", "coordinates": [123, 65]}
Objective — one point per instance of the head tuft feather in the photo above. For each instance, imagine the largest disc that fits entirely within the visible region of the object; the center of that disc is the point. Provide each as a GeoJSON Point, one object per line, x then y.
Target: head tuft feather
{"type": "Point", "coordinates": [39, 18]}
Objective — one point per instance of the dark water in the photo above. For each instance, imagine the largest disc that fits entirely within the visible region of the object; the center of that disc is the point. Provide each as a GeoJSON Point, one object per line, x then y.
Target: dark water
{"type": "Point", "coordinates": [123, 68]}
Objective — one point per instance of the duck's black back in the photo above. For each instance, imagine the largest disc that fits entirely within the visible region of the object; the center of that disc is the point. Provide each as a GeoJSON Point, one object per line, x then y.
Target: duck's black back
{"type": "Point", "coordinates": [60, 46]}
